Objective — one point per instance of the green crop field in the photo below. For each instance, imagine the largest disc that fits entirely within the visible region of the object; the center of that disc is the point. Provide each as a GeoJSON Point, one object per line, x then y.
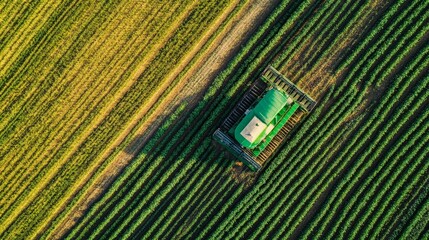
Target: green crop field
{"type": "Point", "coordinates": [107, 110]}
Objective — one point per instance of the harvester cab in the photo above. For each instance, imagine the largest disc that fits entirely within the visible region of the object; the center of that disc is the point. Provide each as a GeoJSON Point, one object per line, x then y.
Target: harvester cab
{"type": "Point", "coordinates": [260, 122]}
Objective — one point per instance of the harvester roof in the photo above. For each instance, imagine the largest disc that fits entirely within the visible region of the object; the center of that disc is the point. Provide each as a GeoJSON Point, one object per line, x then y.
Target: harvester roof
{"type": "Point", "coordinates": [256, 124]}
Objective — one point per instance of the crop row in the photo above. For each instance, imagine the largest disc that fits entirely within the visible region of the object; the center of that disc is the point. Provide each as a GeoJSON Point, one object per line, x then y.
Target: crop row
{"type": "Point", "coordinates": [400, 184]}
{"type": "Point", "coordinates": [372, 52]}
{"type": "Point", "coordinates": [404, 117]}
{"type": "Point", "coordinates": [164, 172]}
{"type": "Point", "coordinates": [330, 34]}
{"type": "Point", "coordinates": [388, 18]}
{"type": "Point", "coordinates": [394, 89]}
{"type": "Point", "coordinates": [130, 175]}
{"type": "Point", "coordinates": [20, 35]}
{"type": "Point", "coordinates": [410, 208]}
{"type": "Point", "coordinates": [193, 190]}
{"type": "Point", "coordinates": [417, 227]}
{"type": "Point", "coordinates": [385, 161]}
{"type": "Point", "coordinates": [373, 74]}
{"type": "Point", "coordinates": [255, 207]}
{"type": "Point", "coordinates": [313, 25]}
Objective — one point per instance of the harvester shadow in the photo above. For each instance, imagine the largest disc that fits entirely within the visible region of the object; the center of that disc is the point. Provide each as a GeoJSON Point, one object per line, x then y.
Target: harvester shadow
{"type": "Point", "coordinates": [219, 156]}
{"type": "Point", "coordinates": [179, 114]}
{"type": "Point", "coordinates": [152, 163]}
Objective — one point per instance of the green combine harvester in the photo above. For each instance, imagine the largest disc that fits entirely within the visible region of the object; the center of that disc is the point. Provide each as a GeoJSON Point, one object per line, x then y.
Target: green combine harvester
{"type": "Point", "coordinates": [260, 122]}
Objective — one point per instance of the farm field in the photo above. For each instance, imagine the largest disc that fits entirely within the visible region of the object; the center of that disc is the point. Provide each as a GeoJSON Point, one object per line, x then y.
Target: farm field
{"type": "Point", "coordinates": [108, 108]}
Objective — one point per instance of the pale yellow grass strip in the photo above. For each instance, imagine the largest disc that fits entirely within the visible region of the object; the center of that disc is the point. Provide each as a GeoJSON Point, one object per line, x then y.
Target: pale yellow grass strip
{"type": "Point", "coordinates": [99, 87]}
{"type": "Point", "coordinates": [92, 50]}
{"type": "Point", "coordinates": [24, 35]}
{"type": "Point", "coordinates": [17, 93]}
{"type": "Point", "coordinates": [9, 12]}
{"type": "Point", "coordinates": [61, 108]}
{"type": "Point", "coordinates": [42, 184]}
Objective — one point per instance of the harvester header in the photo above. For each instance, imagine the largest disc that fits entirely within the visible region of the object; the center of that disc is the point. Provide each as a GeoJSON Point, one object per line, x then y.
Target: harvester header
{"type": "Point", "coordinates": [260, 122]}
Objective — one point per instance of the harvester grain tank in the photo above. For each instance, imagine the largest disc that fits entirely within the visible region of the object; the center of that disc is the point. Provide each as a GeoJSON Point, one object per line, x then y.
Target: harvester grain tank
{"type": "Point", "coordinates": [260, 122]}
